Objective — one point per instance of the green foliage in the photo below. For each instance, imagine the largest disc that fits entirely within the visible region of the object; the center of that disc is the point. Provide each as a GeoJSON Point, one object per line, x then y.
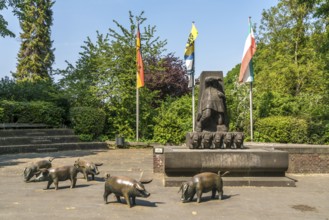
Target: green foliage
{"type": "Point", "coordinates": [36, 55]}
{"type": "Point", "coordinates": [86, 137]}
{"type": "Point", "coordinates": [291, 73]}
{"type": "Point", "coordinates": [5, 4]}
{"type": "Point", "coordinates": [87, 121]}
{"type": "Point", "coordinates": [237, 101]}
{"type": "Point", "coordinates": [281, 129]}
{"type": "Point", "coordinates": [32, 112]}
{"type": "Point", "coordinates": [174, 120]}
{"type": "Point", "coordinates": [34, 91]}
{"type": "Point", "coordinates": [105, 77]}
{"type": "Point", "coordinates": [29, 91]}
{"type": "Point", "coordinates": [2, 113]}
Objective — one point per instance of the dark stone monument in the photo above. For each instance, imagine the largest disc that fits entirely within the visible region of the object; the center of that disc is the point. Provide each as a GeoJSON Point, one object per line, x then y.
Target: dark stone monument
{"type": "Point", "coordinates": [213, 148]}
{"type": "Point", "coordinates": [212, 124]}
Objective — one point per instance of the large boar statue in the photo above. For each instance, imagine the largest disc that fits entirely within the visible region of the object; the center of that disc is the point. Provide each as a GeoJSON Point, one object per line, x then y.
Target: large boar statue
{"type": "Point", "coordinates": [202, 183]}
{"type": "Point", "coordinates": [34, 168]}
{"type": "Point", "coordinates": [124, 186]}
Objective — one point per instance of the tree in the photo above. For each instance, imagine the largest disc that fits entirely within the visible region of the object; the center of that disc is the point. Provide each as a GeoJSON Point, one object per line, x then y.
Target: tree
{"type": "Point", "coordinates": [237, 101]}
{"type": "Point", "coordinates": [85, 82]}
{"type": "Point", "coordinates": [291, 64]}
{"type": "Point", "coordinates": [291, 70]}
{"type": "Point", "coordinates": [4, 4]}
{"type": "Point", "coordinates": [105, 76]}
{"type": "Point", "coordinates": [169, 78]}
{"type": "Point", "coordinates": [36, 56]}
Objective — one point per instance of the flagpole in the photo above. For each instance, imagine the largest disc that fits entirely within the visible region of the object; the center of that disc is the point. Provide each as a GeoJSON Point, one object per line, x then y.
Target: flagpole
{"type": "Point", "coordinates": [193, 110]}
{"type": "Point", "coordinates": [251, 121]}
{"type": "Point", "coordinates": [137, 101]}
{"type": "Point", "coordinates": [137, 113]}
{"type": "Point", "coordinates": [193, 99]}
{"type": "Point", "coordinates": [250, 98]}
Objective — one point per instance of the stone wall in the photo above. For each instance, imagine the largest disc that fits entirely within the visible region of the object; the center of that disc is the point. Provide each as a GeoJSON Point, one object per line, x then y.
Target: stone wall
{"type": "Point", "coordinates": [305, 159]}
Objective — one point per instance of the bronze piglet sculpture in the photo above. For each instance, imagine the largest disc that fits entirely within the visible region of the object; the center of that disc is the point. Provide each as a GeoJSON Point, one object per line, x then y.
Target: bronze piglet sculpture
{"type": "Point", "coordinates": [238, 140]}
{"type": "Point", "coordinates": [87, 168]}
{"type": "Point", "coordinates": [54, 175]}
{"type": "Point", "coordinates": [35, 167]}
{"type": "Point", "coordinates": [202, 183]}
{"type": "Point", "coordinates": [126, 187]}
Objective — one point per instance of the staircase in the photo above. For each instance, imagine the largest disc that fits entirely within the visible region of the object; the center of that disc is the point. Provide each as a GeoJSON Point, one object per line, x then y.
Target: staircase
{"type": "Point", "coordinates": [22, 138]}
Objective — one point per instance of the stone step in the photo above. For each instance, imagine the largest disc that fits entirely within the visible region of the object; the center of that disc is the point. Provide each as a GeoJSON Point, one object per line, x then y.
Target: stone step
{"type": "Point", "coordinates": [38, 140]}
{"type": "Point", "coordinates": [239, 181]}
{"type": "Point", "coordinates": [23, 126]}
{"type": "Point", "coordinates": [35, 132]}
{"type": "Point", "coordinates": [51, 147]}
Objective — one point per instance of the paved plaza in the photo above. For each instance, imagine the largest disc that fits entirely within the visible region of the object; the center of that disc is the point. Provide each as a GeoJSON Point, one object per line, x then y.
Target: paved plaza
{"type": "Point", "coordinates": [20, 200]}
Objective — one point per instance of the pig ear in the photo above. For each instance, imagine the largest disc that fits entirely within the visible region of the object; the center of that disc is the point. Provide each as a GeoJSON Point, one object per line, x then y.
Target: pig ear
{"type": "Point", "coordinates": [107, 175]}
{"type": "Point", "coordinates": [181, 188]}
{"type": "Point", "coordinates": [76, 162]}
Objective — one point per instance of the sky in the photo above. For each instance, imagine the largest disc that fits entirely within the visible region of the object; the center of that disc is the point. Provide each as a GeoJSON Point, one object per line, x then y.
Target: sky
{"type": "Point", "coordinates": [222, 27]}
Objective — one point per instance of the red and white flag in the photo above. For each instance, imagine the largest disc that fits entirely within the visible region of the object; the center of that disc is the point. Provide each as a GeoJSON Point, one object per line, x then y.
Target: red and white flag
{"type": "Point", "coordinates": [246, 70]}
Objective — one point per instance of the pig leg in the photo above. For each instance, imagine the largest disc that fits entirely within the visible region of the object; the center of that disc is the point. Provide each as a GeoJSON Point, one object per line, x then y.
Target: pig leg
{"type": "Point", "coordinates": [220, 192]}
{"type": "Point", "coordinates": [213, 195]}
{"type": "Point", "coordinates": [133, 198]}
{"type": "Point", "coordinates": [50, 181]}
{"type": "Point", "coordinates": [56, 183]}
{"type": "Point", "coordinates": [73, 182]}
{"type": "Point", "coordinates": [192, 196]}
{"type": "Point", "coordinates": [199, 194]}
{"type": "Point", "coordinates": [127, 198]}
{"type": "Point", "coordinates": [92, 176]}
{"type": "Point", "coordinates": [105, 195]}
{"type": "Point", "coordinates": [118, 198]}
{"type": "Point", "coordinates": [85, 175]}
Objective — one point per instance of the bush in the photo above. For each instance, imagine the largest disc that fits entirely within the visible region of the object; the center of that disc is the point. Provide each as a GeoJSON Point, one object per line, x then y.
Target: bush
{"type": "Point", "coordinates": [86, 137]}
{"type": "Point", "coordinates": [174, 121]}
{"type": "Point", "coordinates": [281, 129]}
{"type": "Point", "coordinates": [31, 112]}
{"type": "Point", "coordinates": [2, 112]}
{"type": "Point", "coordinates": [87, 120]}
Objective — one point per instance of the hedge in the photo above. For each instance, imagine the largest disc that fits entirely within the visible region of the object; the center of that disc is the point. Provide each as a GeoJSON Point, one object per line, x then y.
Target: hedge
{"type": "Point", "coordinates": [281, 129]}
{"type": "Point", "coordinates": [31, 112]}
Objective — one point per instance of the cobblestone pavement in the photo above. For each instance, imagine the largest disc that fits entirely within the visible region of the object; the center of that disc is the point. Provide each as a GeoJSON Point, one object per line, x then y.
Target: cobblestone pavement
{"type": "Point", "coordinates": [20, 200]}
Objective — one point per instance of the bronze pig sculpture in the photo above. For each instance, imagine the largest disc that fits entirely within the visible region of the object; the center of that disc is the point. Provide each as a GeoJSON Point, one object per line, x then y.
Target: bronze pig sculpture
{"type": "Point", "coordinates": [87, 168]}
{"type": "Point", "coordinates": [126, 187]}
{"type": "Point", "coordinates": [228, 140]}
{"type": "Point", "coordinates": [202, 183]}
{"type": "Point", "coordinates": [218, 140]}
{"type": "Point", "coordinates": [238, 140]}
{"type": "Point", "coordinates": [35, 167]}
{"type": "Point", "coordinates": [195, 140]}
{"type": "Point", "coordinates": [206, 142]}
{"type": "Point", "coordinates": [54, 175]}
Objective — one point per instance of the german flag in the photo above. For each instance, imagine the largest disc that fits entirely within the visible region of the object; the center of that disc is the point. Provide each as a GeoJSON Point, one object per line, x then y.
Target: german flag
{"type": "Point", "coordinates": [139, 60]}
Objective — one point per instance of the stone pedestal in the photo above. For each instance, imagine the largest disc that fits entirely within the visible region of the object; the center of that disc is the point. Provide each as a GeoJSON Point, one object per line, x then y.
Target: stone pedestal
{"type": "Point", "coordinates": [248, 167]}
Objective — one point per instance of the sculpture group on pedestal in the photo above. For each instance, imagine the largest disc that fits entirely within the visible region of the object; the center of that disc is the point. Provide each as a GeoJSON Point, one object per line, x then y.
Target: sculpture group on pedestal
{"type": "Point", "coordinates": [211, 127]}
